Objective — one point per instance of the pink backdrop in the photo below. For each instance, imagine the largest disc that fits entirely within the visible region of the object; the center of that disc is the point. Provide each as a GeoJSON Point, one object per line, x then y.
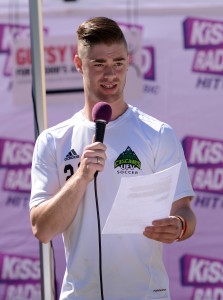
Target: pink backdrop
{"type": "Point", "coordinates": [180, 57]}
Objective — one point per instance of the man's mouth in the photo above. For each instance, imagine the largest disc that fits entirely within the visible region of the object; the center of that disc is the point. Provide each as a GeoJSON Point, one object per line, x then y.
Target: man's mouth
{"type": "Point", "coordinates": [108, 86]}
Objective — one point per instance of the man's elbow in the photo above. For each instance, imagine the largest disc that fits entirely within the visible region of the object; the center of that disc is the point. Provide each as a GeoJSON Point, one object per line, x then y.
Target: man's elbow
{"type": "Point", "coordinates": [40, 234]}
{"type": "Point", "coordinates": [38, 229]}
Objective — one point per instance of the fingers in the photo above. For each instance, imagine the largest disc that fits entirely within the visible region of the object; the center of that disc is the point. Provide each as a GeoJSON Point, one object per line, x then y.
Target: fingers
{"type": "Point", "coordinates": [99, 160]}
{"type": "Point", "coordinates": [164, 230]}
{"type": "Point", "coordinates": [92, 160]}
{"type": "Point", "coordinates": [95, 154]}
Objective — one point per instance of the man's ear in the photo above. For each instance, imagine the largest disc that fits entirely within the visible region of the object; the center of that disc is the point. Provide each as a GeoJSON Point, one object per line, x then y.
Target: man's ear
{"type": "Point", "coordinates": [128, 61]}
{"type": "Point", "coordinates": [78, 63]}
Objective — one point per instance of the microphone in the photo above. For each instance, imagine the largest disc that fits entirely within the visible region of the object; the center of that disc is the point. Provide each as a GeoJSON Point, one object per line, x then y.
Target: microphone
{"type": "Point", "coordinates": [101, 115]}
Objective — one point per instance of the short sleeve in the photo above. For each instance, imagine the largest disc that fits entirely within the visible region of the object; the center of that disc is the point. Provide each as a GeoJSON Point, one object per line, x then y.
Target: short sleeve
{"type": "Point", "coordinates": [170, 152]}
{"type": "Point", "coordinates": [44, 174]}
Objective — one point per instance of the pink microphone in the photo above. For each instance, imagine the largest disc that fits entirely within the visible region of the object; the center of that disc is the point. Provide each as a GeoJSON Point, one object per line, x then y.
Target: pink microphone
{"type": "Point", "coordinates": [101, 115]}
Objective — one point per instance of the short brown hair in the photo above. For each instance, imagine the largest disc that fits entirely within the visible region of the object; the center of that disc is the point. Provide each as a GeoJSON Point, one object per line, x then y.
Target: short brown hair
{"type": "Point", "coordinates": [100, 30]}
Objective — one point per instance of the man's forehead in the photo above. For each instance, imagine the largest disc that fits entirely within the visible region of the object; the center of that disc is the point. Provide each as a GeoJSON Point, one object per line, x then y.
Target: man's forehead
{"type": "Point", "coordinates": [102, 51]}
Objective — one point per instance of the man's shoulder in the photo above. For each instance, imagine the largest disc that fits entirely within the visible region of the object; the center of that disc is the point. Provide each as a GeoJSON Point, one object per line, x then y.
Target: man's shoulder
{"type": "Point", "coordinates": [64, 126]}
{"type": "Point", "coordinates": [148, 120]}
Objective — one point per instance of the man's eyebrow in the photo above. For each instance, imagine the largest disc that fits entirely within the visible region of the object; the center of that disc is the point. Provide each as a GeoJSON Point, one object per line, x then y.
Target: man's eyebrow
{"type": "Point", "coordinates": [119, 59]}
{"type": "Point", "coordinates": [102, 60]}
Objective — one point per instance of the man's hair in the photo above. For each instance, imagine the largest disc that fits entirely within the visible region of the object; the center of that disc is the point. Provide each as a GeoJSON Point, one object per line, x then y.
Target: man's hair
{"type": "Point", "coordinates": [100, 30]}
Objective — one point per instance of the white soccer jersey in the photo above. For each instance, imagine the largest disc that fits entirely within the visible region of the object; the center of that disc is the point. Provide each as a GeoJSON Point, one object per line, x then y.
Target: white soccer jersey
{"type": "Point", "coordinates": [137, 144]}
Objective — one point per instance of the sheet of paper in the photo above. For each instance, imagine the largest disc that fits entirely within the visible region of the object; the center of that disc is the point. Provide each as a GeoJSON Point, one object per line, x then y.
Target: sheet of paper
{"type": "Point", "coordinates": [140, 200]}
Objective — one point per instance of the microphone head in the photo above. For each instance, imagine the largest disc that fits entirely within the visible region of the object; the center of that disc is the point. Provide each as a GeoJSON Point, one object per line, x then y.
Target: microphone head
{"type": "Point", "coordinates": [102, 111]}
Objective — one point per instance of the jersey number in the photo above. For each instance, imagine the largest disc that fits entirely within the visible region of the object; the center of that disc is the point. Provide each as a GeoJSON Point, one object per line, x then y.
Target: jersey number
{"type": "Point", "coordinates": [70, 170]}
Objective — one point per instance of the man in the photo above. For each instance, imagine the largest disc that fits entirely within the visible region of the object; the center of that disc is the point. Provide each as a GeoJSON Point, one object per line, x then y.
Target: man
{"type": "Point", "coordinates": [65, 160]}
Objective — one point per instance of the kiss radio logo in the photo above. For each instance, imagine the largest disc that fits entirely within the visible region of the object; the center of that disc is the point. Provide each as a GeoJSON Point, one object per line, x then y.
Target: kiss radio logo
{"type": "Point", "coordinates": [148, 62]}
{"type": "Point", "coordinates": [205, 275]}
{"type": "Point", "coordinates": [206, 37]}
{"type": "Point", "coordinates": [16, 160]}
{"type": "Point", "coordinates": [205, 160]}
{"type": "Point", "coordinates": [8, 34]}
{"type": "Point", "coordinates": [148, 69]}
{"type": "Point", "coordinates": [19, 277]}
{"type": "Point", "coordinates": [141, 56]}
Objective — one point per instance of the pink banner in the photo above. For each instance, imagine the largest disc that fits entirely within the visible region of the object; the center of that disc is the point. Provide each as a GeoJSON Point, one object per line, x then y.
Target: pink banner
{"type": "Point", "coordinates": [180, 58]}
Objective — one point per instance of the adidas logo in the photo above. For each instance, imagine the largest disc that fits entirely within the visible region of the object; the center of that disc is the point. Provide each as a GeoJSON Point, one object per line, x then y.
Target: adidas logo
{"type": "Point", "coordinates": [71, 155]}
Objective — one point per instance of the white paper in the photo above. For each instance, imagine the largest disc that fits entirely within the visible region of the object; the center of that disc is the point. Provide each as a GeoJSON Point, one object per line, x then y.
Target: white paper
{"type": "Point", "coordinates": [142, 199]}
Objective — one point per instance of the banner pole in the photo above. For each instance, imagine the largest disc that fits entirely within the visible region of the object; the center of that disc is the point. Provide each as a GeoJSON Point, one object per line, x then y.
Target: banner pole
{"type": "Point", "coordinates": [39, 94]}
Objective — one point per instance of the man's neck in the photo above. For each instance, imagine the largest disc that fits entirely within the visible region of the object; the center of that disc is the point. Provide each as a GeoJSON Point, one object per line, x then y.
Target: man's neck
{"type": "Point", "coordinates": [117, 110]}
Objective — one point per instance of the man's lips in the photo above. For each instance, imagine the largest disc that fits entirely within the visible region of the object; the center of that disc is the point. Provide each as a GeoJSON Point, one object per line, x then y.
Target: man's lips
{"type": "Point", "coordinates": [109, 85]}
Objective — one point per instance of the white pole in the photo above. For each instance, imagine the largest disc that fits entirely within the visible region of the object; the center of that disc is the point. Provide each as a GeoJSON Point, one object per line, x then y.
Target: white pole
{"type": "Point", "coordinates": [39, 93]}
{"type": "Point", "coordinates": [38, 68]}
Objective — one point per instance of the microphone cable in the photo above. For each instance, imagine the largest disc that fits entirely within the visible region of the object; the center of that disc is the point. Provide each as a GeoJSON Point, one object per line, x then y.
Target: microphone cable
{"type": "Point", "coordinates": [99, 236]}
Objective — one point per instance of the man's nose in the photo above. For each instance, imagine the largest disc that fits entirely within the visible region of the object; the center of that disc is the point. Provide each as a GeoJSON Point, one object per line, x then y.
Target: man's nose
{"type": "Point", "coordinates": [109, 72]}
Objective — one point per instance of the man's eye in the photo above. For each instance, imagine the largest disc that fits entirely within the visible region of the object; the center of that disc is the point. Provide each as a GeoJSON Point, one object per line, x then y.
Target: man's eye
{"type": "Point", "coordinates": [119, 65]}
{"type": "Point", "coordinates": [98, 65]}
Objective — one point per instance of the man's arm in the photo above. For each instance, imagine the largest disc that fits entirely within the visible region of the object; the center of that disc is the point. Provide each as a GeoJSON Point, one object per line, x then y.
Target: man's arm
{"type": "Point", "coordinates": [54, 215]}
{"type": "Point", "coordinates": [169, 229]}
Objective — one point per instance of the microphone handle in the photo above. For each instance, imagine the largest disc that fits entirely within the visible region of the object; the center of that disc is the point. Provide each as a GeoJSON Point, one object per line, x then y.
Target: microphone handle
{"type": "Point", "coordinates": [99, 130]}
{"type": "Point", "coordinates": [99, 134]}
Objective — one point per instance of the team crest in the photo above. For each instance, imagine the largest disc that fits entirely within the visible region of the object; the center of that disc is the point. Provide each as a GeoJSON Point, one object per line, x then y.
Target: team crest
{"type": "Point", "coordinates": [127, 162]}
